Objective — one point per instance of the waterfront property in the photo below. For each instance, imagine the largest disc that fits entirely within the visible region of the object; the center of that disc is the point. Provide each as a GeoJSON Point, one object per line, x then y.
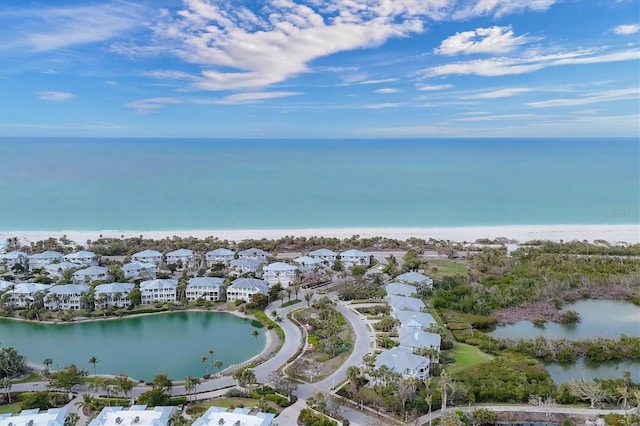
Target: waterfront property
{"type": "Point", "coordinates": [22, 295]}
{"type": "Point", "coordinates": [327, 256]}
{"type": "Point", "coordinates": [146, 271]}
{"type": "Point", "coordinates": [160, 290]}
{"type": "Point", "coordinates": [91, 274]}
{"type": "Point", "coordinates": [245, 265]}
{"type": "Point", "coordinates": [56, 270]}
{"type": "Point", "coordinates": [416, 339]}
{"type": "Point", "coordinates": [205, 288]}
{"type": "Point", "coordinates": [353, 257]}
{"type": "Point", "coordinates": [254, 253]}
{"type": "Point", "coordinates": [422, 282]}
{"type": "Point", "coordinates": [403, 361]}
{"type": "Point", "coordinates": [217, 416]}
{"type": "Point", "coordinates": [184, 257]}
{"type": "Point", "coordinates": [82, 257]}
{"type": "Point", "coordinates": [137, 415]}
{"type": "Point", "coordinates": [13, 258]}
{"type": "Point", "coordinates": [308, 263]}
{"type": "Point", "coordinates": [221, 255]}
{"type": "Point", "coordinates": [245, 288]}
{"type": "Point", "coordinates": [148, 256]}
{"type": "Point", "coordinates": [65, 297]}
{"type": "Point", "coordinates": [35, 417]}
{"type": "Point", "coordinates": [40, 260]}
{"type": "Point", "coordinates": [113, 294]}
{"type": "Point", "coordinates": [279, 273]}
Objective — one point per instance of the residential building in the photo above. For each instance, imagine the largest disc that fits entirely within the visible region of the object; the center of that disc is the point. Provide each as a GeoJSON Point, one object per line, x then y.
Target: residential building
{"type": "Point", "coordinates": [36, 417]}
{"type": "Point", "coordinates": [142, 270]}
{"type": "Point", "coordinates": [160, 290]}
{"type": "Point", "coordinates": [415, 339]}
{"type": "Point", "coordinates": [221, 255]}
{"type": "Point", "coordinates": [114, 294]}
{"type": "Point", "coordinates": [398, 289]}
{"type": "Point", "coordinates": [136, 415]}
{"type": "Point", "coordinates": [185, 257]}
{"type": "Point", "coordinates": [217, 416]}
{"type": "Point", "coordinates": [206, 288]}
{"type": "Point", "coordinates": [56, 270]}
{"type": "Point", "coordinates": [420, 320]}
{"type": "Point", "coordinates": [245, 265]}
{"type": "Point", "coordinates": [254, 253]}
{"type": "Point", "coordinates": [6, 285]}
{"type": "Point", "coordinates": [148, 256]}
{"type": "Point", "coordinates": [82, 257]}
{"type": "Point", "coordinates": [245, 288]}
{"type": "Point", "coordinates": [65, 297]}
{"type": "Point", "coordinates": [327, 256]}
{"type": "Point", "coordinates": [403, 361]}
{"type": "Point", "coordinates": [23, 294]}
{"type": "Point", "coordinates": [91, 274]}
{"type": "Point", "coordinates": [404, 303]}
{"type": "Point", "coordinates": [308, 263]}
{"type": "Point", "coordinates": [422, 282]}
{"type": "Point", "coordinates": [353, 257]}
{"type": "Point", "coordinates": [13, 258]}
{"type": "Point", "coordinates": [279, 273]}
{"type": "Point", "coordinates": [40, 260]}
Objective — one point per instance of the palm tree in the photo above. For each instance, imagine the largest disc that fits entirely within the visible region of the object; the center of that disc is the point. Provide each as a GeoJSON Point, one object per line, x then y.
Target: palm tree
{"type": "Point", "coordinates": [124, 384]}
{"type": "Point", "coordinates": [211, 355]}
{"type": "Point", "coordinates": [6, 385]}
{"type": "Point", "coordinates": [94, 360]}
{"type": "Point", "coordinates": [255, 334]}
{"type": "Point", "coordinates": [47, 362]}
{"type": "Point", "coordinates": [307, 297]}
{"type": "Point", "coordinates": [219, 365]}
{"type": "Point", "coordinates": [204, 360]}
{"type": "Point", "coordinates": [71, 419]}
{"type": "Point", "coordinates": [88, 404]}
{"type": "Point", "coordinates": [189, 385]}
{"type": "Point", "coordinates": [446, 384]}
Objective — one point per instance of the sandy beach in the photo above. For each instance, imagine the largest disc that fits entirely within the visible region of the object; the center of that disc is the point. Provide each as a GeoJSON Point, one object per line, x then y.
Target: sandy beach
{"type": "Point", "coordinates": [521, 233]}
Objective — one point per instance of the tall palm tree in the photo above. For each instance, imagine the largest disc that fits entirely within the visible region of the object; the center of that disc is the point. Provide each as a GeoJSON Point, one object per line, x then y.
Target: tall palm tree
{"type": "Point", "coordinates": [189, 385]}
{"type": "Point", "coordinates": [219, 365]}
{"type": "Point", "coordinates": [47, 362]}
{"type": "Point", "coordinates": [211, 351]}
{"type": "Point", "coordinates": [446, 384]}
{"type": "Point", "coordinates": [94, 360]}
{"type": "Point", "coordinates": [203, 361]}
{"type": "Point", "coordinates": [255, 334]}
{"type": "Point", "coordinates": [6, 385]}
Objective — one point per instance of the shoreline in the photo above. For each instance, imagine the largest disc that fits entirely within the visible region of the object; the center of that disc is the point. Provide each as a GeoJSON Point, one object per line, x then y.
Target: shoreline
{"type": "Point", "coordinates": [613, 233]}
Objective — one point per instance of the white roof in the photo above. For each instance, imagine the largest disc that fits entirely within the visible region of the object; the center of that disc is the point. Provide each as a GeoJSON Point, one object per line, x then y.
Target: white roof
{"type": "Point", "coordinates": [91, 270]}
{"type": "Point", "coordinates": [5, 285]}
{"type": "Point", "coordinates": [180, 253]}
{"type": "Point", "coordinates": [13, 255]}
{"type": "Point", "coordinates": [307, 260]}
{"type": "Point", "coordinates": [323, 252]}
{"type": "Point", "coordinates": [69, 289]}
{"type": "Point", "coordinates": [220, 252]}
{"type": "Point", "coordinates": [251, 283]}
{"type": "Point", "coordinates": [148, 253]}
{"type": "Point", "coordinates": [413, 277]}
{"type": "Point", "coordinates": [279, 266]}
{"type": "Point", "coordinates": [354, 253]}
{"type": "Point", "coordinates": [49, 254]}
{"type": "Point", "coordinates": [253, 252]}
{"type": "Point", "coordinates": [400, 359]}
{"type": "Point", "coordinates": [216, 416]}
{"type": "Point", "coordinates": [82, 254]}
{"type": "Point", "coordinates": [114, 288]}
{"type": "Point", "coordinates": [205, 282]}
{"type": "Point", "coordinates": [245, 262]}
{"type": "Point", "coordinates": [415, 319]}
{"type": "Point", "coordinates": [400, 289]}
{"type": "Point", "coordinates": [159, 284]}
{"type": "Point", "coordinates": [405, 303]}
{"type": "Point", "coordinates": [416, 338]}
{"type": "Point", "coordinates": [136, 415]}
{"type": "Point", "coordinates": [30, 288]}
{"type": "Point", "coordinates": [35, 417]}
{"type": "Point", "coordinates": [136, 266]}
{"type": "Point", "coordinates": [61, 266]}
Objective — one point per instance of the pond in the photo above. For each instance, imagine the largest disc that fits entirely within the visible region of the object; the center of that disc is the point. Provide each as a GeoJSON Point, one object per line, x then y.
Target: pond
{"type": "Point", "coordinates": [143, 346]}
{"type": "Point", "coordinates": [598, 318]}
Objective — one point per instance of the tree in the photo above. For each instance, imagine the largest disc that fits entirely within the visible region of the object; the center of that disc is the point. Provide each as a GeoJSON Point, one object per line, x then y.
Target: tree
{"type": "Point", "coordinates": [190, 384]}
{"type": "Point", "coordinates": [124, 384]}
{"type": "Point", "coordinates": [31, 400]}
{"type": "Point", "coordinates": [204, 360]}
{"type": "Point", "coordinates": [72, 419]}
{"type": "Point", "coordinates": [11, 362]}
{"type": "Point", "coordinates": [218, 364]}
{"type": "Point", "coordinates": [93, 361]}
{"type": "Point", "coordinates": [282, 383]}
{"type": "Point", "coordinates": [255, 334]}
{"type": "Point", "coordinates": [446, 384]}
{"type": "Point", "coordinates": [307, 297]}
{"type": "Point", "coordinates": [245, 377]}
{"type": "Point", "coordinates": [484, 416]}
{"type": "Point", "coordinates": [162, 383]}
{"type": "Point", "coordinates": [47, 362]}
{"type": "Point", "coordinates": [211, 351]}
{"type": "Point", "coordinates": [67, 378]}
{"type": "Point", "coordinates": [99, 384]}
{"type": "Point", "coordinates": [406, 390]}
{"type": "Point", "coordinates": [6, 385]}
{"type": "Point", "coordinates": [592, 391]}
{"type": "Point", "coordinates": [135, 297]}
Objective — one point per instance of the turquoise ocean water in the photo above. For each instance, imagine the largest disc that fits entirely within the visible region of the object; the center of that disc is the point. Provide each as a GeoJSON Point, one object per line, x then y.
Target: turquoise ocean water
{"type": "Point", "coordinates": [173, 184]}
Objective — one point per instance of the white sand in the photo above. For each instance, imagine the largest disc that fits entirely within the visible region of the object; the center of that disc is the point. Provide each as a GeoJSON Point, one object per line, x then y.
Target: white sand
{"type": "Point", "coordinates": [520, 233]}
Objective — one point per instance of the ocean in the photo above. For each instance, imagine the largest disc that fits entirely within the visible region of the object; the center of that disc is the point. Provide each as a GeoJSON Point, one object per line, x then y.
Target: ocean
{"type": "Point", "coordinates": [188, 184]}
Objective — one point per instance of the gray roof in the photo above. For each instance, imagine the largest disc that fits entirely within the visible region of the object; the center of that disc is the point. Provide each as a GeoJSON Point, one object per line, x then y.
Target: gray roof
{"type": "Point", "coordinates": [253, 252]}
{"type": "Point", "coordinates": [279, 266]}
{"type": "Point", "coordinates": [205, 282]}
{"type": "Point", "coordinates": [416, 338]}
{"type": "Point", "coordinates": [72, 289]}
{"type": "Point", "coordinates": [30, 288]}
{"type": "Point", "coordinates": [251, 283]}
{"type": "Point", "coordinates": [181, 253]}
{"type": "Point", "coordinates": [307, 260]}
{"type": "Point", "coordinates": [49, 254]}
{"type": "Point", "coordinates": [400, 359]}
{"type": "Point", "coordinates": [400, 289]}
{"type": "Point", "coordinates": [82, 254]}
{"type": "Point", "coordinates": [62, 266]}
{"type": "Point", "coordinates": [159, 284]}
{"type": "Point", "coordinates": [220, 252]}
{"type": "Point", "coordinates": [91, 270]}
{"type": "Point", "coordinates": [245, 262]}
{"type": "Point", "coordinates": [13, 255]}
{"type": "Point", "coordinates": [5, 285]}
{"type": "Point", "coordinates": [415, 319]}
{"type": "Point", "coordinates": [114, 288]}
{"type": "Point", "coordinates": [354, 253]}
{"type": "Point", "coordinates": [323, 252]}
{"type": "Point", "coordinates": [403, 303]}
{"type": "Point", "coordinates": [137, 266]}
{"type": "Point", "coordinates": [148, 253]}
{"type": "Point", "coordinates": [414, 278]}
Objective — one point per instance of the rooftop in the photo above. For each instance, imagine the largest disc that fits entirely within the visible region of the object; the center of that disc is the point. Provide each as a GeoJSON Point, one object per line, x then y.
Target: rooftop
{"type": "Point", "coordinates": [51, 417]}
{"type": "Point", "coordinates": [137, 415]}
{"type": "Point", "coordinates": [216, 416]}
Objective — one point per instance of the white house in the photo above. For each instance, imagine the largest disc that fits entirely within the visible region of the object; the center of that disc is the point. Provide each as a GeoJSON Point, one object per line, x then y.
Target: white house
{"type": "Point", "coordinates": [217, 416]}
{"type": "Point", "coordinates": [221, 255]}
{"type": "Point", "coordinates": [399, 289]}
{"type": "Point", "coordinates": [65, 297]}
{"type": "Point", "coordinates": [55, 270]}
{"type": "Point", "coordinates": [416, 339]}
{"type": "Point", "coordinates": [254, 253]}
{"type": "Point", "coordinates": [147, 256]}
{"type": "Point", "coordinates": [279, 272]}
{"type": "Point", "coordinates": [411, 319]}
{"type": "Point", "coordinates": [206, 288]}
{"type": "Point", "coordinates": [35, 417]}
{"type": "Point", "coordinates": [422, 282]}
{"type": "Point", "coordinates": [403, 361]}
{"type": "Point", "coordinates": [136, 415]}
{"type": "Point", "coordinates": [403, 303]}
{"type": "Point", "coordinates": [40, 260]}
{"type": "Point", "coordinates": [244, 288]}
{"type": "Point", "coordinates": [161, 290]}
{"type": "Point", "coordinates": [9, 260]}
{"type": "Point", "coordinates": [308, 263]}
{"type": "Point", "coordinates": [355, 257]}
{"type": "Point", "coordinates": [82, 257]}
{"type": "Point", "coordinates": [327, 256]}
{"type": "Point", "coordinates": [23, 294]}
{"type": "Point", "coordinates": [184, 256]}
{"type": "Point", "coordinates": [140, 270]}
{"type": "Point", "coordinates": [91, 274]}
{"type": "Point", "coordinates": [244, 265]}
{"type": "Point", "coordinates": [114, 294]}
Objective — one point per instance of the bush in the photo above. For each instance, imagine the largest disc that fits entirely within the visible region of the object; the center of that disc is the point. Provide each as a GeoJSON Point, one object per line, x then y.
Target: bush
{"type": "Point", "coordinates": [237, 393]}
{"type": "Point", "coordinates": [309, 417]}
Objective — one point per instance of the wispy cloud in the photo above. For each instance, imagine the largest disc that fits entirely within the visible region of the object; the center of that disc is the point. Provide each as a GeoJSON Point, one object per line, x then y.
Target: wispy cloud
{"type": "Point", "coordinates": [244, 98]}
{"type": "Point", "coordinates": [605, 96]}
{"type": "Point", "coordinates": [482, 40]}
{"type": "Point", "coordinates": [169, 75]}
{"type": "Point", "coordinates": [387, 90]}
{"type": "Point", "coordinates": [432, 88]}
{"type": "Point", "coordinates": [384, 105]}
{"type": "Point", "coordinates": [56, 96]}
{"type": "Point", "coordinates": [498, 8]}
{"type": "Point", "coordinates": [626, 29]}
{"type": "Point", "coordinates": [502, 93]}
{"type": "Point", "coordinates": [149, 105]}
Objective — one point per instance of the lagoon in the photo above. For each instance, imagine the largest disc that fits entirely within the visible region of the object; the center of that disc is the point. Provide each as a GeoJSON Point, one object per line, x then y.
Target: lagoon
{"type": "Point", "coordinates": [143, 346]}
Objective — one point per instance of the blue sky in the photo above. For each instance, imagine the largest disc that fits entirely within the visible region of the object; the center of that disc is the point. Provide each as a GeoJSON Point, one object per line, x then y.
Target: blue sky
{"type": "Point", "coordinates": [318, 68]}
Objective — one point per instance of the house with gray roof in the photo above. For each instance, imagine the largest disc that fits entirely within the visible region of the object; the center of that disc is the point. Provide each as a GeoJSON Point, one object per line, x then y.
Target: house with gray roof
{"type": "Point", "coordinates": [328, 256]}
{"type": "Point", "coordinates": [148, 256]}
{"type": "Point", "coordinates": [308, 263]}
{"type": "Point", "coordinates": [399, 289]}
{"type": "Point", "coordinates": [221, 255]}
{"type": "Point", "coordinates": [137, 415]}
{"type": "Point", "coordinates": [91, 274]}
{"type": "Point", "coordinates": [13, 258]}
{"type": "Point", "coordinates": [22, 295]}
{"type": "Point", "coordinates": [82, 257]}
{"type": "Point", "coordinates": [159, 290]}
{"type": "Point", "coordinates": [279, 273]}
{"type": "Point", "coordinates": [353, 257]}
{"type": "Point", "coordinates": [184, 256]}
{"type": "Point", "coordinates": [6, 285]}
{"type": "Point", "coordinates": [245, 265]}
{"type": "Point", "coordinates": [40, 260]}
{"type": "Point", "coordinates": [420, 320]}
{"type": "Point", "coordinates": [113, 294]}
{"type": "Point", "coordinates": [217, 416]}
{"type": "Point", "coordinates": [206, 288]}
{"type": "Point", "coordinates": [415, 339]}
{"type": "Point", "coordinates": [36, 417]}
{"type": "Point", "coordinates": [56, 270]}
{"type": "Point", "coordinates": [403, 303]}
{"type": "Point", "coordinates": [65, 297]}
{"type": "Point", "coordinates": [422, 282]}
{"type": "Point", "coordinates": [245, 288]}
{"type": "Point", "coordinates": [143, 270]}
{"type": "Point", "coordinates": [254, 253]}
{"type": "Point", "coordinates": [403, 361]}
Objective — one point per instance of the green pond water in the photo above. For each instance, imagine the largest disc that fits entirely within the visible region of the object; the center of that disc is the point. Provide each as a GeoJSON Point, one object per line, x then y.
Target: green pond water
{"type": "Point", "coordinates": [598, 318]}
{"type": "Point", "coordinates": [172, 343]}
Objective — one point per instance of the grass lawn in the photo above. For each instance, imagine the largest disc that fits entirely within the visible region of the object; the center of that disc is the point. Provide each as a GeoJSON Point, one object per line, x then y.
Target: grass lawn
{"type": "Point", "coordinates": [445, 267]}
{"type": "Point", "coordinates": [291, 302]}
{"type": "Point", "coordinates": [467, 356]}
{"type": "Point", "coordinates": [32, 377]}
{"type": "Point", "coordinates": [10, 408]}
{"type": "Point", "coordinates": [226, 402]}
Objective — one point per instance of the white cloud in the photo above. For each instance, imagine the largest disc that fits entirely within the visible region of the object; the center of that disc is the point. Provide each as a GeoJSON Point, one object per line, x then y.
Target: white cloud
{"type": "Point", "coordinates": [510, 66]}
{"type": "Point", "coordinates": [502, 93]}
{"type": "Point", "coordinates": [498, 8]}
{"type": "Point", "coordinates": [56, 96]}
{"type": "Point", "coordinates": [604, 96]}
{"type": "Point", "coordinates": [149, 105]}
{"type": "Point", "coordinates": [169, 75]}
{"type": "Point", "coordinates": [497, 117]}
{"type": "Point", "coordinates": [384, 105]}
{"type": "Point", "coordinates": [243, 98]}
{"type": "Point", "coordinates": [626, 29]}
{"type": "Point", "coordinates": [431, 88]}
{"type": "Point", "coordinates": [481, 40]}
{"type": "Point", "coordinates": [387, 90]}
